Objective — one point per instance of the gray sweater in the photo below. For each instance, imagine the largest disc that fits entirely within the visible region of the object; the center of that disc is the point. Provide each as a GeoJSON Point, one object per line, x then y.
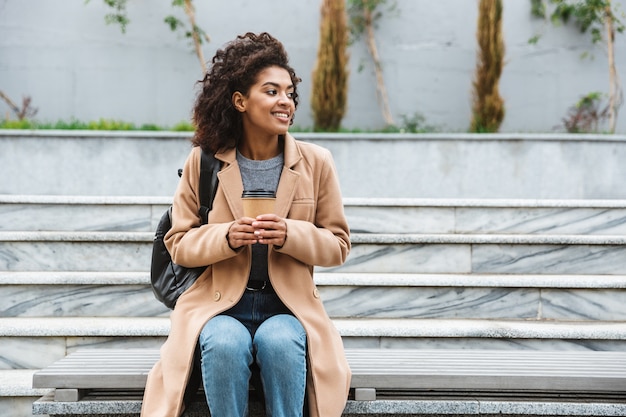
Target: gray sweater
{"type": "Point", "coordinates": [260, 175]}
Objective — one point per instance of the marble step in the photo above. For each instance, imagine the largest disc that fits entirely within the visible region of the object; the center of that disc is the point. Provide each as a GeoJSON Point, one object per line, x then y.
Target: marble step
{"type": "Point", "coordinates": [365, 215]}
{"type": "Point", "coordinates": [30, 343]}
{"type": "Point", "coordinates": [475, 296]}
{"type": "Point", "coordinates": [19, 383]}
{"type": "Point", "coordinates": [490, 216]}
{"type": "Point", "coordinates": [75, 213]}
{"type": "Point", "coordinates": [345, 295]}
{"type": "Point", "coordinates": [486, 254]}
{"type": "Point", "coordinates": [16, 392]}
{"type": "Point", "coordinates": [371, 253]}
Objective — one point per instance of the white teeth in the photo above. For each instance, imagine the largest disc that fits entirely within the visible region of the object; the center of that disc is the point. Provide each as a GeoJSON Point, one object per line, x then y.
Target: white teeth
{"type": "Point", "coordinates": [281, 115]}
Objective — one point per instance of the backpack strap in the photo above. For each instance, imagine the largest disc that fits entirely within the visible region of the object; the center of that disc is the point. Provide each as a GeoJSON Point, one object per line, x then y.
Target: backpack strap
{"type": "Point", "coordinates": [209, 166]}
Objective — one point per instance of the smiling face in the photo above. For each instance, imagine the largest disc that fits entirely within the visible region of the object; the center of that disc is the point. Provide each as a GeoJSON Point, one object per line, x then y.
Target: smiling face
{"type": "Point", "coordinates": [269, 106]}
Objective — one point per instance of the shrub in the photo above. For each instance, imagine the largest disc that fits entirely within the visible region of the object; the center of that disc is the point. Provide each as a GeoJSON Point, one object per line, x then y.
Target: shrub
{"type": "Point", "coordinates": [330, 76]}
{"type": "Point", "coordinates": [488, 106]}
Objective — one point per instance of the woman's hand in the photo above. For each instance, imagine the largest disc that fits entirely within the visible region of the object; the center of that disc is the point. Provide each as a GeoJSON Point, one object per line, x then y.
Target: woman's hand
{"type": "Point", "coordinates": [241, 233]}
{"type": "Point", "coordinates": [265, 229]}
{"type": "Point", "coordinates": [270, 229]}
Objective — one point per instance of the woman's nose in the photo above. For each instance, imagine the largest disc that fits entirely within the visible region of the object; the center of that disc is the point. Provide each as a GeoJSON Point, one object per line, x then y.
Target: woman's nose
{"type": "Point", "coordinates": [283, 97]}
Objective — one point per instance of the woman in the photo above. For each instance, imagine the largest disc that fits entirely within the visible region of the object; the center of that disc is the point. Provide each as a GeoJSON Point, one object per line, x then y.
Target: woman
{"type": "Point", "coordinates": [256, 305]}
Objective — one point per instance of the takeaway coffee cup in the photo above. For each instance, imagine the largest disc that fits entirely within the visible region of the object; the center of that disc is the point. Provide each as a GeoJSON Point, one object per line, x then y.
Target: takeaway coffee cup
{"type": "Point", "coordinates": [256, 202]}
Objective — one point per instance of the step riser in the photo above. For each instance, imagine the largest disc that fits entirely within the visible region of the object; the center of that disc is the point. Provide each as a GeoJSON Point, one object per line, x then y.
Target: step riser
{"type": "Point", "coordinates": [549, 259]}
{"type": "Point", "coordinates": [435, 166]}
{"type": "Point", "coordinates": [62, 217]}
{"type": "Point", "coordinates": [486, 258]}
{"type": "Point", "coordinates": [369, 258]}
{"type": "Point", "coordinates": [75, 256]}
{"type": "Point", "coordinates": [486, 220]}
{"type": "Point", "coordinates": [541, 220]}
{"type": "Point", "coordinates": [362, 219]}
{"type": "Point", "coordinates": [80, 301]}
{"type": "Point", "coordinates": [72, 217]}
{"type": "Point", "coordinates": [340, 302]}
{"type": "Point", "coordinates": [475, 303]}
{"type": "Point", "coordinates": [38, 352]}
{"type": "Point", "coordinates": [17, 406]}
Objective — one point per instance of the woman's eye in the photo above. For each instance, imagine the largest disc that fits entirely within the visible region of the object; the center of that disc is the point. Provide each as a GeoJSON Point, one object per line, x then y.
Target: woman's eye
{"type": "Point", "coordinates": [290, 94]}
{"type": "Point", "coordinates": [271, 92]}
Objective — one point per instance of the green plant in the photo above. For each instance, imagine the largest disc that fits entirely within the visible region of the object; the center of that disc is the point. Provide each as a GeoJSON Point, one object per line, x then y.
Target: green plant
{"type": "Point", "coordinates": [72, 124]}
{"type": "Point", "coordinates": [488, 105]}
{"type": "Point", "coordinates": [107, 124]}
{"type": "Point", "coordinates": [586, 115]}
{"type": "Point", "coordinates": [363, 17]}
{"type": "Point", "coordinates": [330, 75]}
{"type": "Point", "coordinates": [118, 16]}
{"type": "Point", "coordinates": [195, 33]}
{"type": "Point", "coordinates": [183, 126]}
{"type": "Point", "coordinates": [600, 19]}
{"type": "Point", "coordinates": [415, 124]}
{"type": "Point", "coordinates": [100, 124]}
{"type": "Point", "coordinates": [23, 124]}
{"type": "Point", "coordinates": [537, 8]}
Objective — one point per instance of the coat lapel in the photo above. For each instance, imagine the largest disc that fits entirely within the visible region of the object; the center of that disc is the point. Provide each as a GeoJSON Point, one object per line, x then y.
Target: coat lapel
{"type": "Point", "coordinates": [230, 182]}
{"type": "Point", "coordinates": [289, 178]}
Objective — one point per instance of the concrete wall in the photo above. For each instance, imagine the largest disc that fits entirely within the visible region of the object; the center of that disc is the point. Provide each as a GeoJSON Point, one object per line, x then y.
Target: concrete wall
{"type": "Point", "coordinates": [73, 65]}
{"type": "Point", "coordinates": [525, 166]}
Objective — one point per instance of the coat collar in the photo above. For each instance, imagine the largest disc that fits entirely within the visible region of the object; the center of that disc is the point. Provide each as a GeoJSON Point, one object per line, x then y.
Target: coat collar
{"type": "Point", "coordinates": [231, 183]}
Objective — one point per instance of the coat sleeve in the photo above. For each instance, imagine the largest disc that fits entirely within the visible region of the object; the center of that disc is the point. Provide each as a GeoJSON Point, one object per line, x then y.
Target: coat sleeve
{"type": "Point", "coordinates": [326, 241]}
{"type": "Point", "coordinates": [190, 243]}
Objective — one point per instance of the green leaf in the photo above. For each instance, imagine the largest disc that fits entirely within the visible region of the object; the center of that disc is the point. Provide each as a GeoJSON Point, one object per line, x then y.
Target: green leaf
{"type": "Point", "coordinates": [538, 8]}
{"type": "Point", "coordinates": [173, 22]}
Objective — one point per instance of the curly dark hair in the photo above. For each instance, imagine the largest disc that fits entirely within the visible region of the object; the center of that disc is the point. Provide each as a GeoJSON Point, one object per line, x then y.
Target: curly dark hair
{"type": "Point", "coordinates": [218, 124]}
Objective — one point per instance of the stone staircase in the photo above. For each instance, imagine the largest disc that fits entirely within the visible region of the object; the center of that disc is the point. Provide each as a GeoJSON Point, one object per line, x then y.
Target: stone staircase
{"type": "Point", "coordinates": [423, 273]}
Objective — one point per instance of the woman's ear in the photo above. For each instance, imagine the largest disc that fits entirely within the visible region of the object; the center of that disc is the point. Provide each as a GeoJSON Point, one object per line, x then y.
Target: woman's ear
{"type": "Point", "coordinates": [239, 101]}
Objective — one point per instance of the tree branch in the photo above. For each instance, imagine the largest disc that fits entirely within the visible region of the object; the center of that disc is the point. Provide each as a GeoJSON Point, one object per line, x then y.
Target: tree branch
{"type": "Point", "coordinates": [12, 105]}
{"type": "Point", "coordinates": [197, 43]}
{"type": "Point", "coordinates": [381, 90]}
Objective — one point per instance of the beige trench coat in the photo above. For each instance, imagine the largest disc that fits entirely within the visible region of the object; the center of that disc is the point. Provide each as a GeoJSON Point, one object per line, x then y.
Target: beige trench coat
{"type": "Point", "coordinates": [309, 199]}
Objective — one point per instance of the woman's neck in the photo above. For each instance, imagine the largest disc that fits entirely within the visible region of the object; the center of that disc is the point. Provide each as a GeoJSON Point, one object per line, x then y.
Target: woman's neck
{"type": "Point", "coordinates": [259, 150]}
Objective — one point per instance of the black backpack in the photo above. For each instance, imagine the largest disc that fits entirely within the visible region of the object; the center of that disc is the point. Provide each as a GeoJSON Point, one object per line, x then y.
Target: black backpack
{"type": "Point", "coordinates": [168, 279]}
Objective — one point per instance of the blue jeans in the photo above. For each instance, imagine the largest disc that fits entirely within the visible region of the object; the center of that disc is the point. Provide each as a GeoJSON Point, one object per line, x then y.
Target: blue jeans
{"type": "Point", "coordinates": [261, 330]}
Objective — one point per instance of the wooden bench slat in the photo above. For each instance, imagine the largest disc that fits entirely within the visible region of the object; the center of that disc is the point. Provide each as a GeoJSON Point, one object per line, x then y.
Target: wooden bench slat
{"type": "Point", "coordinates": [137, 381]}
{"type": "Point", "coordinates": [383, 369]}
{"type": "Point", "coordinates": [491, 382]}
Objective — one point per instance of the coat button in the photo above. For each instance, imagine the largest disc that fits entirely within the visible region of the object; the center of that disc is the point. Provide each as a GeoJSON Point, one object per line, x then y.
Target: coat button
{"type": "Point", "coordinates": [217, 296]}
{"type": "Point", "coordinates": [316, 293]}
